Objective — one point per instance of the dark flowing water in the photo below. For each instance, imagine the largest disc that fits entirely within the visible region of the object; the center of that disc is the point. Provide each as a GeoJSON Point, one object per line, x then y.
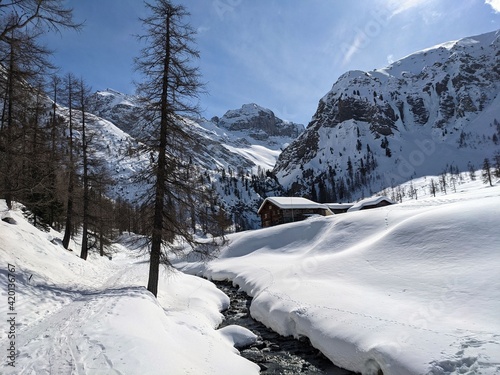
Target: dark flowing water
{"type": "Point", "coordinates": [275, 354]}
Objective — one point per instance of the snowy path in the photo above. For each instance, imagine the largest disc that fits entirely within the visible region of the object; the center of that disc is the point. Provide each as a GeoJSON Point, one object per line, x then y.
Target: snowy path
{"type": "Point", "coordinates": [95, 317]}
{"type": "Point", "coordinates": [61, 344]}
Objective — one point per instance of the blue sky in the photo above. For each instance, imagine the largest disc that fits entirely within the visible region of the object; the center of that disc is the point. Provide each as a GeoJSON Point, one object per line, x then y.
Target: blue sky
{"type": "Point", "coordinates": [281, 54]}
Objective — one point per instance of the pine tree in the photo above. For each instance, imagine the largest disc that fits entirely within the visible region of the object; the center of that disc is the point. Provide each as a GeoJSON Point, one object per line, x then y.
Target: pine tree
{"type": "Point", "coordinates": [55, 160]}
{"type": "Point", "coordinates": [101, 218]}
{"type": "Point", "coordinates": [433, 188]}
{"type": "Point", "coordinates": [46, 15]}
{"type": "Point", "coordinates": [37, 186]}
{"type": "Point", "coordinates": [443, 182]}
{"type": "Point", "coordinates": [83, 92]}
{"type": "Point", "coordinates": [497, 165]}
{"type": "Point", "coordinates": [170, 89]}
{"type": "Point", "coordinates": [25, 64]}
{"type": "Point", "coordinates": [486, 172]}
{"type": "Point", "coordinates": [349, 167]}
{"type": "Point", "coordinates": [21, 131]}
{"type": "Point", "coordinates": [472, 171]}
{"type": "Point", "coordinates": [314, 194]}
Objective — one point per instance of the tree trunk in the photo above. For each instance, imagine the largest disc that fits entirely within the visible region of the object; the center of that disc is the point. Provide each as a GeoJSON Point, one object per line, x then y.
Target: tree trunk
{"type": "Point", "coordinates": [101, 243]}
{"type": "Point", "coordinates": [9, 139]}
{"type": "Point", "coordinates": [69, 213]}
{"type": "Point", "coordinates": [86, 195]}
{"type": "Point", "coordinates": [156, 240]}
{"type": "Point", "coordinates": [71, 182]}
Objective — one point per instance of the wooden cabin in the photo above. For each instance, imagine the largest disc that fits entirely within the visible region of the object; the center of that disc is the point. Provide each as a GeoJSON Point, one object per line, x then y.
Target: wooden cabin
{"type": "Point", "coordinates": [280, 210]}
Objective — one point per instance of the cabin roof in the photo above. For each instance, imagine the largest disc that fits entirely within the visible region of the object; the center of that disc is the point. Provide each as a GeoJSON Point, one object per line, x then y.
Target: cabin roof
{"type": "Point", "coordinates": [289, 203]}
{"type": "Point", "coordinates": [369, 202]}
{"type": "Point", "coordinates": [339, 206]}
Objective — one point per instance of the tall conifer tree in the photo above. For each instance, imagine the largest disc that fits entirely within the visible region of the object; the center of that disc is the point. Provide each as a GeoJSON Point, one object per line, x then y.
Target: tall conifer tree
{"type": "Point", "coordinates": [170, 88]}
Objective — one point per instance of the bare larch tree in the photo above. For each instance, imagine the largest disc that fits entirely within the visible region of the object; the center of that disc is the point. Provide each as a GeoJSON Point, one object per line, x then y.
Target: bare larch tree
{"type": "Point", "coordinates": [170, 87]}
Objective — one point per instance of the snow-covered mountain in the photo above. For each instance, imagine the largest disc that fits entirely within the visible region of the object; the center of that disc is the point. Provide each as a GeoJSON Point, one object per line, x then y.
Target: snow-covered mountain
{"type": "Point", "coordinates": [436, 108]}
{"type": "Point", "coordinates": [249, 137]}
{"type": "Point", "coordinates": [431, 111]}
{"type": "Point", "coordinates": [260, 123]}
{"type": "Point", "coordinates": [235, 150]}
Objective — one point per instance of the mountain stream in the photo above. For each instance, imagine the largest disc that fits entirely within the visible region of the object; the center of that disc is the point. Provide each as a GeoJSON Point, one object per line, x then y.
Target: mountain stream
{"type": "Point", "coordinates": [275, 354]}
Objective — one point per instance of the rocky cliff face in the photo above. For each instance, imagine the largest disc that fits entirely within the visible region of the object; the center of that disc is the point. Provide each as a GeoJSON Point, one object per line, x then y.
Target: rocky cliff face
{"type": "Point", "coordinates": [120, 109]}
{"type": "Point", "coordinates": [259, 123]}
{"type": "Point", "coordinates": [421, 114]}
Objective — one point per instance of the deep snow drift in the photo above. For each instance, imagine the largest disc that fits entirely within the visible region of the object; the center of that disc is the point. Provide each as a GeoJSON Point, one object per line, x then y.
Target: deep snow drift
{"type": "Point", "coordinates": [411, 288]}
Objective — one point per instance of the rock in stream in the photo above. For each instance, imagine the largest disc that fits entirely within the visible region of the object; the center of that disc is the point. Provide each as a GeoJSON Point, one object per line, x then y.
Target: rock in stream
{"type": "Point", "coordinates": [275, 354]}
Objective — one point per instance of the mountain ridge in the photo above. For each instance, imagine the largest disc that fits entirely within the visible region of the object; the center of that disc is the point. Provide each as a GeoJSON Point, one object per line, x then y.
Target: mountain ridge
{"type": "Point", "coordinates": [420, 115]}
{"type": "Point", "coordinates": [234, 151]}
{"type": "Point", "coordinates": [435, 109]}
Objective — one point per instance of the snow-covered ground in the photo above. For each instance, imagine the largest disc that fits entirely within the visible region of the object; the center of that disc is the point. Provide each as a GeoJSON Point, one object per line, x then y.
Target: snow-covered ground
{"type": "Point", "coordinates": [96, 317]}
{"type": "Point", "coordinates": [412, 288]}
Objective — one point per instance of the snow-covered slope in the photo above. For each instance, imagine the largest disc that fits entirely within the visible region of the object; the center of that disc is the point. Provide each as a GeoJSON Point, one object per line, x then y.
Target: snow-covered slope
{"type": "Point", "coordinates": [407, 289]}
{"type": "Point", "coordinates": [430, 110]}
{"type": "Point", "coordinates": [411, 288]}
{"type": "Point", "coordinates": [116, 153]}
{"type": "Point", "coordinates": [96, 317]}
{"type": "Point", "coordinates": [249, 137]}
{"type": "Point", "coordinates": [234, 150]}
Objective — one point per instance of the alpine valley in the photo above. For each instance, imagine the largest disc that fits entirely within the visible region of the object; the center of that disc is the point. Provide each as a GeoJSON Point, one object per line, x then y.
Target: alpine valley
{"type": "Point", "coordinates": [236, 152]}
{"type": "Point", "coordinates": [431, 112]}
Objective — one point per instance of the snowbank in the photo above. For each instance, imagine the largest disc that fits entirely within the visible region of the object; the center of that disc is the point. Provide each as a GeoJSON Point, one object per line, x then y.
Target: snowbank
{"type": "Point", "coordinates": [411, 288]}
{"type": "Point", "coordinates": [370, 203]}
{"type": "Point", "coordinates": [96, 317]}
{"type": "Point", "coordinates": [238, 336]}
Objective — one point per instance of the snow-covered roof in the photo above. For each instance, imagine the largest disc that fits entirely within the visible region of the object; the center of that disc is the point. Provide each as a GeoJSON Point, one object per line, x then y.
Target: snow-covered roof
{"type": "Point", "coordinates": [292, 203]}
{"type": "Point", "coordinates": [369, 202]}
{"type": "Point", "coordinates": [339, 206]}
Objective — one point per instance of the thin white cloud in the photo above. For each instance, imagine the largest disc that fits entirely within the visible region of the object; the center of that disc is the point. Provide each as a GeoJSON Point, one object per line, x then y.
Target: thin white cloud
{"type": "Point", "coordinates": [350, 50]}
{"type": "Point", "coordinates": [202, 29]}
{"type": "Point", "coordinates": [398, 6]}
{"type": "Point", "coordinates": [495, 4]}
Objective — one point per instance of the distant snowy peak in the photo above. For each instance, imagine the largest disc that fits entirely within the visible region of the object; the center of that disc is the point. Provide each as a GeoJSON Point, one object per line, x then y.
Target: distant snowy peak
{"type": "Point", "coordinates": [432, 87]}
{"type": "Point", "coordinates": [229, 150]}
{"type": "Point", "coordinates": [366, 127]}
{"type": "Point", "coordinates": [119, 108]}
{"type": "Point", "coordinates": [252, 120]}
{"type": "Point", "coordinates": [471, 47]}
{"type": "Point", "coordinates": [114, 98]}
{"type": "Point", "coordinates": [248, 137]}
{"type": "Point", "coordinates": [259, 122]}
